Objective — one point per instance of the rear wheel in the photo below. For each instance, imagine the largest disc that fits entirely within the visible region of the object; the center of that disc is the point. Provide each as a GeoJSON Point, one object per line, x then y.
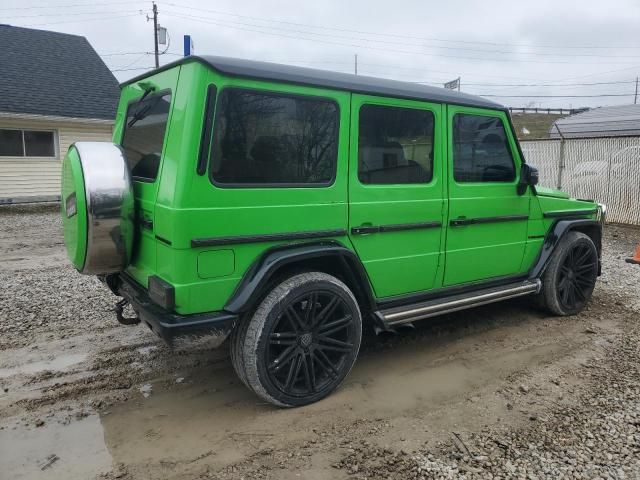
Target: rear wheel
{"type": "Point", "coordinates": [570, 278]}
{"type": "Point", "coordinates": [301, 342]}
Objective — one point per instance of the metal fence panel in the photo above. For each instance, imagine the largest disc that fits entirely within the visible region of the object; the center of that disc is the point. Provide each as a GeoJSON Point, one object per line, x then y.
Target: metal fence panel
{"type": "Point", "coordinates": [603, 169]}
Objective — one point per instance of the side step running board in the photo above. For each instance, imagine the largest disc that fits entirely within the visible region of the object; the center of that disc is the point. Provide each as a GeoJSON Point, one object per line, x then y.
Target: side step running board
{"type": "Point", "coordinates": [417, 311]}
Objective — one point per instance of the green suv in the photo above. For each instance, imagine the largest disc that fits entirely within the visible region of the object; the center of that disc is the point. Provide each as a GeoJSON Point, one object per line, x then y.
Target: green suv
{"type": "Point", "coordinates": [286, 207]}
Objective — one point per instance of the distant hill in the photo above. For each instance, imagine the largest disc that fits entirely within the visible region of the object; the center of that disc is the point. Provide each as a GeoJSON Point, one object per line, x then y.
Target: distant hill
{"type": "Point", "coordinates": [537, 124]}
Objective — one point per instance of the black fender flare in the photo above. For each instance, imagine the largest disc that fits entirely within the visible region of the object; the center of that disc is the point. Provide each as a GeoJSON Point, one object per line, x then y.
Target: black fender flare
{"type": "Point", "coordinates": [556, 233]}
{"type": "Point", "coordinates": [258, 276]}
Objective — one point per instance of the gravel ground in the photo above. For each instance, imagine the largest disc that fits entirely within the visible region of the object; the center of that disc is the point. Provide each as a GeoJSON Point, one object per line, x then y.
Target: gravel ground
{"type": "Point", "coordinates": [503, 391]}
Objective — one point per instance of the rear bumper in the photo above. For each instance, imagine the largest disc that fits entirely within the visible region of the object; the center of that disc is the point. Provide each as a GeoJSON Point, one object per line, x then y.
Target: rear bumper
{"type": "Point", "coordinates": [168, 325]}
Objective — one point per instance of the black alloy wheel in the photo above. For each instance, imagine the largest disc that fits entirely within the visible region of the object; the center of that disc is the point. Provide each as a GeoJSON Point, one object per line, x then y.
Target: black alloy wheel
{"type": "Point", "coordinates": [577, 276]}
{"type": "Point", "coordinates": [570, 276]}
{"type": "Point", "coordinates": [310, 343]}
{"type": "Point", "coordinates": [301, 341]}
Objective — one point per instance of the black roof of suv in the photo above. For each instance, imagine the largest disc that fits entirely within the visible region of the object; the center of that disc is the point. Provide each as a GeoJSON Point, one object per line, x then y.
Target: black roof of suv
{"type": "Point", "coordinates": [237, 67]}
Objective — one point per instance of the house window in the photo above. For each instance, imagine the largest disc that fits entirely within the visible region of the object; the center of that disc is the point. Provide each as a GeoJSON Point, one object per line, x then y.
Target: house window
{"type": "Point", "coordinates": [27, 143]}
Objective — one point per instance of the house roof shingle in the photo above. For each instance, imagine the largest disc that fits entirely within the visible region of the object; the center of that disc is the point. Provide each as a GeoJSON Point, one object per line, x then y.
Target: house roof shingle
{"type": "Point", "coordinates": [51, 73]}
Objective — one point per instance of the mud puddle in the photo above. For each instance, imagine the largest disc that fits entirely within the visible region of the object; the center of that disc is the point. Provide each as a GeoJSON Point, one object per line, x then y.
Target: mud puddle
{"type": "Point", "coordinates": [211, 418]}
{"type": "Point", "coordinates": [60, 363]}
{"type": "Point", "coordinates": [55, 451]}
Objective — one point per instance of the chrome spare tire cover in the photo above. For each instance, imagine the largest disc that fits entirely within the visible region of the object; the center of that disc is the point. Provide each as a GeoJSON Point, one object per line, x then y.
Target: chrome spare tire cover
{"type": "Point", "coordinates": [97, 207]}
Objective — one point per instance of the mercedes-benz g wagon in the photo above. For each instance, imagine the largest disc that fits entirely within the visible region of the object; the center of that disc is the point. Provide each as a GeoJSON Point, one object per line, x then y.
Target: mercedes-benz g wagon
{"type": "Point", "coordinates": [285, 207]}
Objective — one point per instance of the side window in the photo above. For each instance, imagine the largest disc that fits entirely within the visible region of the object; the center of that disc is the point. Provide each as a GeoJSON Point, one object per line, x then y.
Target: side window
{"type": "Point", "coordinates": [395, 145]}
{"type": "Point", "coordinates": [274, 139]}
{"type": "Point", "coordinates": [481, 150]}
{"type": "Point", "coordinates": [143, 136]}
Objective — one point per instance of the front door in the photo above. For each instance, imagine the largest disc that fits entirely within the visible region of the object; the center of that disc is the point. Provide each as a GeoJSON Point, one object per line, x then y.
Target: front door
{"type": "Point", "coordinates": [396, 192]}
{"type": "Point", "coordinates": [487, 223]}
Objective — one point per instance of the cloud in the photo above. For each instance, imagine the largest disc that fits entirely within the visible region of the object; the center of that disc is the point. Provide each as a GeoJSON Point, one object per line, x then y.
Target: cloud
{"type": "Point", "coordinates": [489, 42]}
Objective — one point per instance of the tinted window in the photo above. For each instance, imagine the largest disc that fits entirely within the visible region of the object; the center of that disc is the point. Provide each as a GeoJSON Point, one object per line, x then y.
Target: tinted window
{"type": "Point", "coordinates": [481, 150]}
{"type": "Point", "coordinates": [395, 145]}
{"type": "Point", "coordinates": [11, 143]}
{"type": "Point", "coordinates": [144, 135]}
{"type": "Point", "coordinates": [263, 138]}
{"type": "Point", "coordinates": [39, 144]}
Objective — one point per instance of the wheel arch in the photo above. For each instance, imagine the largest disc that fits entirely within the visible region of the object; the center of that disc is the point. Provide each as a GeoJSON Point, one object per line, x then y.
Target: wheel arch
{"type": "Point", "coordinates": [280, 262]}
{"type": "Point", "coordinates": [591, 228]}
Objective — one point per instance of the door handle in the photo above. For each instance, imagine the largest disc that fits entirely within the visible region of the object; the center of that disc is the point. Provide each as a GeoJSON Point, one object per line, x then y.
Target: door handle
{"type": "Point", "coordinates": [365, 229]}
{"type": "Point", "coordinates": [461, 222]}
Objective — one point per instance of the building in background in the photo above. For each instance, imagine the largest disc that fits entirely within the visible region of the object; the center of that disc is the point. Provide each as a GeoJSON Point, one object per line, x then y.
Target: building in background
{"type": "Point", "coordinates": [54, 91]}
{"type": "Point", "coordinates": [618, 121]}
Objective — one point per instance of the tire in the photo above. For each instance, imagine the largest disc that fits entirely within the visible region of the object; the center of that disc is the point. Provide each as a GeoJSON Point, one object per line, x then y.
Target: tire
{"type": "Point", "coordinates": [570, 277]}
{"type": "Point", "coordinates": [301, 342]}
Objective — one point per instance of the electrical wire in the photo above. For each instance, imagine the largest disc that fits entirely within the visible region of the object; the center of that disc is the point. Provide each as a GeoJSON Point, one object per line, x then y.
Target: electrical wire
{"type": "Point", "coordinates": [370, 47]}
{"type": "Point", "coordinates": [414, 37]}
{"type": "Point", "coordinates": [88, 4]}
{"type": "Point", "coordinates": [78, 20]}
{"type": "Point", "coordinates": [75, 14]}
{"type": "Point", "coordinates": [557, 96]}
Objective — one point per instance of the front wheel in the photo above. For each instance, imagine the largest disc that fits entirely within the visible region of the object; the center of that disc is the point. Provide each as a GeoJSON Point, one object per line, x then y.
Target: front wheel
{"type": "Point", "coordinates": [570, 277]}
{"type": "Point", "coordinates": [301, 342]}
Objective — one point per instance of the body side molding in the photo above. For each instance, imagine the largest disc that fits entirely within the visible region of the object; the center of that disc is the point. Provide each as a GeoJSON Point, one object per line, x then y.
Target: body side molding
{"type": "Point", "coordinates": [398, 227]}
{"type": "Point", "coordinates": [460, 222]}
{"type": "Point", "coordinates": [268, 237]}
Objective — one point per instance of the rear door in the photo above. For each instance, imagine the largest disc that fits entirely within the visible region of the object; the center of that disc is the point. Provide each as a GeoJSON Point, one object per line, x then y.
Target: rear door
{"type": "Point", "coordinates": [142, 129]}
{"type": "Point", "coordinates": [487, 224]}
{"type": "Point", "coordinates": [396, 192]}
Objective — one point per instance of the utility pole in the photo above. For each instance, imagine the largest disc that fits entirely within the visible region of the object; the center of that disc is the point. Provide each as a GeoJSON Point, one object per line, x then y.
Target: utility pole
{"type": "Point", "coordinates": [155, 33]}
{"type": "Point", "coordinates": [355, 65]}
{"type": "Point", "coordinates": [635, 99]}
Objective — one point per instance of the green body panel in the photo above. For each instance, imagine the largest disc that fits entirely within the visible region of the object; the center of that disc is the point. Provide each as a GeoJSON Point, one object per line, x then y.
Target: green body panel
{"type": "Point", "coordinates": [416, 253]}
{"type": "Point", "coordinates": [74, 225]}
{"type": "Point", "coordinates": [144, 259]}
{"type": "Point", "coordinates": [551, 192]}
{"type": "Point", "coordinates": [184, 206]}
{"type": "Point", "coordinates": [484, 251]}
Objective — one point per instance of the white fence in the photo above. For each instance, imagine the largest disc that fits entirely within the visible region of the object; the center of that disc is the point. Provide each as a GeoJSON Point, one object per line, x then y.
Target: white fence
{"type": "Point", "coordinates": [603, 169]}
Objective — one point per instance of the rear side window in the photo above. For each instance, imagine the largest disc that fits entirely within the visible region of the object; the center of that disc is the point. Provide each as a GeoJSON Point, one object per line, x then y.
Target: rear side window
{"type": "Point", "coordinates": [273, 139]}
{"type": "Point", "coordinates": [395, 145]}
{"type": "Point", "coordinates": [481, 150]}
{"type": "Point", "coordinates": [143, 137]}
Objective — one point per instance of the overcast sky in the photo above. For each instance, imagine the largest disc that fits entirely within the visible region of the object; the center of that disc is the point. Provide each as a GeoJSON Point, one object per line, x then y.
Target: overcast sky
{"type": "Point", "coordinates": [510, 42]}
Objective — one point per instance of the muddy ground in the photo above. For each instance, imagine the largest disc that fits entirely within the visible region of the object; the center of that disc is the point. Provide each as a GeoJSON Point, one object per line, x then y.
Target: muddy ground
{"type": "Point", "coordinates": [503, 391]}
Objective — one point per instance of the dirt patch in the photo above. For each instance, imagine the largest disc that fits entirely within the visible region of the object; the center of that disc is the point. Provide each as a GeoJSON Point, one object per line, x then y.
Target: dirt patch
{"type": "Point", "coordinates": [503, 390]}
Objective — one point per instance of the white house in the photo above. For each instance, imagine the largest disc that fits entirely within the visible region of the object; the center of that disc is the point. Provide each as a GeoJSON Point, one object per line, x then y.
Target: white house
{"type": "Point", "coordinates": [54, 90]}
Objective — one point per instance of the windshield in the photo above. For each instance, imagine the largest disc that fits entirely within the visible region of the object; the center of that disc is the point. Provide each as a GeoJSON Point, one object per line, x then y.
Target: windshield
{"type": "Point", "coordinates": [144, 132]}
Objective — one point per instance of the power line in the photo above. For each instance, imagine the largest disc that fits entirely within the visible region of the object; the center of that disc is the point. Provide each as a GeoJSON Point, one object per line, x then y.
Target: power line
{"type": "Point", "coordinates": [89, 4]}
{"type": "Point", "coordinates": [414, 37]}
{"type": "Point", "coordinates": [557, 96]}
{"type": "Point", "coordinates": [78, 20]}
{"type": "Point", "coordinates": [69, 14]}
{"type": "Point", "coordinates": [540, 84]}
{"type": "Point", "coordinates": [370, 47]}
{"type": "Point", "coordinates": [114, 54]}
{"type": "Point", "coordinates": [124, 67]}
{"type": "Point", "coordinates": [132, 69]}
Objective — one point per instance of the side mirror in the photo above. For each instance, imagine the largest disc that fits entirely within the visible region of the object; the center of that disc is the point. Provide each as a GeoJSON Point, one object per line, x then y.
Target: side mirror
{"type": "Point", "coordinates": [529, 177]}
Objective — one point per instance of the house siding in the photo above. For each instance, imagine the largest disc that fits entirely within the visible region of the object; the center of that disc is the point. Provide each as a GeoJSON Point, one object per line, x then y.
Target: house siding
{"type": "Point", "coordinates": [24, 179]}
